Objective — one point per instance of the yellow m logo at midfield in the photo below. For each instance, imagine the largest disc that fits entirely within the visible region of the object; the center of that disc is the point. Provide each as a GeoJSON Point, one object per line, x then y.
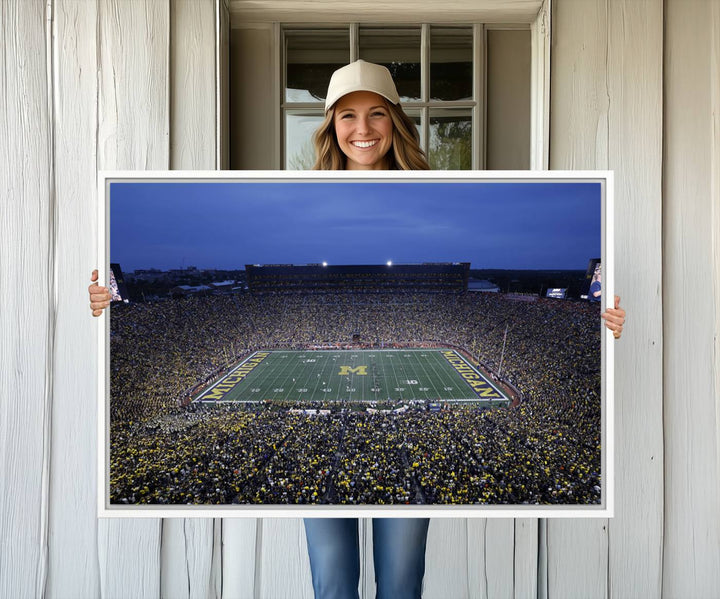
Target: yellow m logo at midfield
{"type": "Point", "coordinates": [346, 370]}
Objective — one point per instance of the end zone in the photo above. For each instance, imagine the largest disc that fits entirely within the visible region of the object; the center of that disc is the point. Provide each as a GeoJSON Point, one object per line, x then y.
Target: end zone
{"type": "Point", "coordinates": [217, 391]}
{"type": "Point", "coordinates": [480, 385]}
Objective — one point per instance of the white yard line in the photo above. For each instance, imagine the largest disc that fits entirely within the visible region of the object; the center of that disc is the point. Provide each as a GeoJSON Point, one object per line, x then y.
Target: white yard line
{"type": "Point", "coordinates": [397, 381]}
{"type": "Point", "coordinates": [442, 373]}
{"type": "Point", "coordinates": [426, 374]}
{"type": "Point", "coordinates": [317, 380]}
{"type": "Point", "coordinates": [290, 363]}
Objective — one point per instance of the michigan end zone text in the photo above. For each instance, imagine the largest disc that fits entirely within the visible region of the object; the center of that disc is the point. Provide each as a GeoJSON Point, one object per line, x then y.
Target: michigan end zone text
{"type": "Point", "coordinates": [217, 392]}
{"type": "Point", "coordinates": [478, 383]}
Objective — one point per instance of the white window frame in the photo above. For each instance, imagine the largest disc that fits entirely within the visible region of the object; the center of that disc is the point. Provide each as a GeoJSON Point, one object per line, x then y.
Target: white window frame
{"type": "Point", "coordinates": [272, 11]}
{"type": "Point", "coordinates": [476, 107]}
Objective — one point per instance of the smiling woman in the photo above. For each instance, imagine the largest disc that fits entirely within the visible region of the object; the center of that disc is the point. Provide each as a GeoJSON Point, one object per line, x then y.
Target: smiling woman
{"type": "Point", "coordinates": [365, 127]}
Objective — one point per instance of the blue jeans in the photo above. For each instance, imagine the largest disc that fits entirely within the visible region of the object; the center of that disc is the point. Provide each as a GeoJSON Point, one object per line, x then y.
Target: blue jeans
{"type": "Point", "coordinates": [398, 551]}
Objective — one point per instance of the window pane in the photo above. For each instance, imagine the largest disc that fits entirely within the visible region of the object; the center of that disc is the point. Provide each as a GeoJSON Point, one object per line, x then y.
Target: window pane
{"type": "Point", "coordinates": [399, 51]}
{"type": "Point", "coordinates": [299, 150]}
{"type": "Point", "coordinates": [414, 115]}
{"type": "Point", "coordinates": [451, 55]}
{"type": "Point", "coordinates": [311, 58]}
{"type": "Point", "coordinates": [450, 139]}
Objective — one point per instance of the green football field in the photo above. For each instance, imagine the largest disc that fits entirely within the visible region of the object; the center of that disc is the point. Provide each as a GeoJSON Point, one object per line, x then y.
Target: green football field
{"type": "Point", "coordinates": [355, 376]}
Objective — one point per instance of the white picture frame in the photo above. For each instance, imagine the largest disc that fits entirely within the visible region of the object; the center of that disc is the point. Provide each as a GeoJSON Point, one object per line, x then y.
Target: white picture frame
{"type": "Point", "coordinates": [604, 509]}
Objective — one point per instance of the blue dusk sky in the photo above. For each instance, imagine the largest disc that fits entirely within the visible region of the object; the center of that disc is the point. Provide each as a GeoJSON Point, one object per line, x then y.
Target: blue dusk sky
{"type": "Point", "coordinates": [225, 225]}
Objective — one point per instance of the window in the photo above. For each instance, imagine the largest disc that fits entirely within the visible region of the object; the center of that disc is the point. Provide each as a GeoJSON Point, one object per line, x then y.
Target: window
{"type": "Point", "coordinates": [468, 88]}
{"type": "Point", "coordinates": [439, 72]}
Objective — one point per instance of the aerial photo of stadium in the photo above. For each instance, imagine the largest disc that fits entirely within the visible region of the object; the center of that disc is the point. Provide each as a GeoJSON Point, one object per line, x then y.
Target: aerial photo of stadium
{"type": "Point", "coordinates": [357, 383]}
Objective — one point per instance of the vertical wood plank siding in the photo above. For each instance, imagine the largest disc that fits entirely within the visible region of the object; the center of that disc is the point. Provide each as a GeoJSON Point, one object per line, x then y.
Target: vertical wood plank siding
{"type": "Point", "coordinates": [635, 85]}
{"type": "Point", "coordinates": [449, 555]}
{"type": "Point", "coordinates": [26, 312]}
{"type": "Point", "coordinates": [692, 399]}
{"type": "Point", "coordinates": [239, 558]}
{"type": "Point", "coordinates": [607, 113]}
{"type": "Point", "coordinates": [525, 560]}
{"type": "Point", "coordinates": [192, 85]}
{"type": "Point", "coordinates": [282, 566]}
{"type": "Point", "coordinates": [187, 556]}
{"type": "Point", "coordinates": [132, 85]}
{"type": "Point", "coordinates": [73, 556]}
{"type": "Point", "coordinates": [222, 53]}
{"type": "Point", "coordinates": [577, 550]}
{"type": "Point", "coordinates": [133, 134]}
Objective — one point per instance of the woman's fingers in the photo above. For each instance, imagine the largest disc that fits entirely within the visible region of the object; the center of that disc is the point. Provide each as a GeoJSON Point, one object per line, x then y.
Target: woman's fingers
{"type": "Point", "coordinates": [615, 327]}
{"type": "Point", "coordinates": [94, 288]}
{"type": "Point", "coordinates": [99, 296]}
{"type": "Point", "coordinates": [615, 318]}
{"type": "Point", "coordinates": [99, 304]}
{"type": "Point", "coordinates": [98, 293]}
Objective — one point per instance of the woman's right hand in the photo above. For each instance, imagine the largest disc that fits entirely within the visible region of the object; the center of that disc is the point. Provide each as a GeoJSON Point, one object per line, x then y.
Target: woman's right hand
{"type": "Point", "coordinates": [99, 296]}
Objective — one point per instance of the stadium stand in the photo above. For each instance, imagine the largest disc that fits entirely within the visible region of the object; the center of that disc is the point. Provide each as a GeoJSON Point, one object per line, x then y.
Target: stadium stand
{"type": "Point", "coordinates": [358, 278]}
{"type": "Point", "coordinates": [544, 451]}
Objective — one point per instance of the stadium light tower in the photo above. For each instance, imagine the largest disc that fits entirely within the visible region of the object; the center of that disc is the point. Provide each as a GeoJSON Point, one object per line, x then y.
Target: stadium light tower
{"type": "Point", "coordinates": [502, 353]}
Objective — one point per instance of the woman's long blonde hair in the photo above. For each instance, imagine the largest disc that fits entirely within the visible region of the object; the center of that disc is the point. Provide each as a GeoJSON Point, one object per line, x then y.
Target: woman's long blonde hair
{"type": "Point", "coordinates": [405, 154]}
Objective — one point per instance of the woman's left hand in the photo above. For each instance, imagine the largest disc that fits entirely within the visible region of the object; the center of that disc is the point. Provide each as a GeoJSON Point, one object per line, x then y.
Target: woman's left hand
{"type": "Point", "coordinates": [615, 318]}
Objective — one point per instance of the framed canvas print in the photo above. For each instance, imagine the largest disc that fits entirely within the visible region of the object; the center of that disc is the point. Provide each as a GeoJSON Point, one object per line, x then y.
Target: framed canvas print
{"type": "Point", "coordinates": [356, 344]}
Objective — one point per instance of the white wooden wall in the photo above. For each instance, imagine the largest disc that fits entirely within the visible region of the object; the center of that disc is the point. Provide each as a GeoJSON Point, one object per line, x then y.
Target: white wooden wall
{"type": "Point", "coordinates": [120, 84]}
{"type": "Point", "coordinates": [606, 113]}
{"type": "Point", "coordinates": [691, 327]}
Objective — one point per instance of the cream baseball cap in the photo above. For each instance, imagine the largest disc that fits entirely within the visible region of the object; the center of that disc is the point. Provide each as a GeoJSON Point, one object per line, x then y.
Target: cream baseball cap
{"type": "Point", "coordinates": [361, 76]}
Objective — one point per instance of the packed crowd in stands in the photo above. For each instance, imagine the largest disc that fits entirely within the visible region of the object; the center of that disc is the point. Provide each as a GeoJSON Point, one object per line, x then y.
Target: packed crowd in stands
{"type": "Point", "coordinates": [544, 451]}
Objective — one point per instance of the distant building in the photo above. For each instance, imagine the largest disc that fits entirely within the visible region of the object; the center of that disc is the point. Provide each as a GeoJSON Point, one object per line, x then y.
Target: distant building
{"type": "Point", "coordinates": [179, 272]}
{"type": "Point", "coordinates": [482, 285]}
{"type": "Point", "coordinates": [431, 277]}
{"type": "Point", "coordinates": [223, 285]}
{"type": "Point", "coordinates": [183, 290]}
{"type": "Point", "coordinates": [147, 274]}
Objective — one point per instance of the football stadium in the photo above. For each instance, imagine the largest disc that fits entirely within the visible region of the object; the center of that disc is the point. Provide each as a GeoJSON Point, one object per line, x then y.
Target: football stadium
{"type": "Point", "coordinates": [355, 385]}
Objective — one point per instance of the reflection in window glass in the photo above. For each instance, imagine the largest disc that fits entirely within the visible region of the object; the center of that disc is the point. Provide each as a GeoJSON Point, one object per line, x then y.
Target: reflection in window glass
{"type": "Point", "coordinates": [451, 66]}
{"type": "Point", "coordinates": [399, 51]}
{"type": "Point", "coordinates": [450, 144]}
{"type": "Point", "coordinates": [415, 117]}
{"type": "Point", "coordinates": [299, 150]}
{"type": "Point", "coordinates": [311, 58]}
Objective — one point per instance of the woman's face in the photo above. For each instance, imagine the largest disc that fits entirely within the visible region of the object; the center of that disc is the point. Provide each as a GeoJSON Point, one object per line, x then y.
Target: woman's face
{"type": "Point", "coordinates": [364, 130]}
